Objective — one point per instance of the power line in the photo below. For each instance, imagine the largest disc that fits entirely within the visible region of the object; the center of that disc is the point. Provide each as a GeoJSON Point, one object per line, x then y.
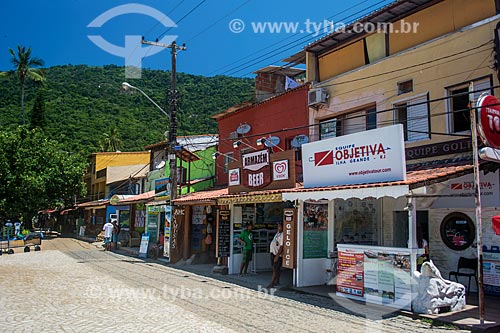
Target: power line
{"type": "Point", "coordinates": [182, 18]}
{"type": "Point", "coordinates": [266, 48]}
{"type": "Point", "coordinates": [296, 43]}
{"type": "Point", "coordinates": [213, 24]}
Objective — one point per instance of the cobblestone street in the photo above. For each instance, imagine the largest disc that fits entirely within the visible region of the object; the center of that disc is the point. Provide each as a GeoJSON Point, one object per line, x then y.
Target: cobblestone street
{"type": "Point", "coordinates": [73, 286]}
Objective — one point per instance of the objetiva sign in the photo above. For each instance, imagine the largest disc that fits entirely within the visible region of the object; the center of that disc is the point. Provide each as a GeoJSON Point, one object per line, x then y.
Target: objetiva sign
{"type": "Point", "coordinates": [366, 157]}
{"type": "Point", "coordinates": [489, 120]}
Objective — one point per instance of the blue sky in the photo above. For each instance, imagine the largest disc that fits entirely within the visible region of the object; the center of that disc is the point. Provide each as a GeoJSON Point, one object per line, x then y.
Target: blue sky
{"type": "Point", "coordinates": [58, 30]}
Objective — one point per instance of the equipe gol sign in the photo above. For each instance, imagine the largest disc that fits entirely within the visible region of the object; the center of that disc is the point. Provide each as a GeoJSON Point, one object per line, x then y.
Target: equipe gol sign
{"type": "Point", "coordinates": [366, 157]}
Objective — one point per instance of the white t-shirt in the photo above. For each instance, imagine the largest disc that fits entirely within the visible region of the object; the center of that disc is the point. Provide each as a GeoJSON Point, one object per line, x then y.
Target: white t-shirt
{"type": "Point", "coordinates": [277, 242]}
{"type": "Point", "coordinates": [108, 229]}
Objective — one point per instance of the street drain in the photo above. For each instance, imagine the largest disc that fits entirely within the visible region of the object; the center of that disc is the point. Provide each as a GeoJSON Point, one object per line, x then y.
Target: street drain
{"type": "Point", "coordinates": [185, 276]}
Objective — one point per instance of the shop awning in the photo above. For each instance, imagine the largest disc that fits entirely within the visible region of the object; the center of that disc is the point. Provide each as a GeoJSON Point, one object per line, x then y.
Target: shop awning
{"type": "Point", "coordinates": [139, 198]}
{"type": "Point", "coordinates": [414, 179]}
{"type": "Point", "coordinates": [97, 204]}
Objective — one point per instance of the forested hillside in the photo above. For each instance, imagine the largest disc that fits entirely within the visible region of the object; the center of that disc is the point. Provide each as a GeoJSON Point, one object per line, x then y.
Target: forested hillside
{"type": "Point", "coordinates": [84, 103]}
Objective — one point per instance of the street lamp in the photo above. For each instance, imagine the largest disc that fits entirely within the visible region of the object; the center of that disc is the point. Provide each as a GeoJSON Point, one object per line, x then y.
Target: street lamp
{"type": "Point", "coordinates": [127, 86]}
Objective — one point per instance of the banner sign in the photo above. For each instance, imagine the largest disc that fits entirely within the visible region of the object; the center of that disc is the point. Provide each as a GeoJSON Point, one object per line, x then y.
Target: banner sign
{"type": "Point", "coordinates": [367, 157]}
{"type": "Point", "coordinates": [289, 243]}
{"type": "Point", "coordinates": [260, 170]}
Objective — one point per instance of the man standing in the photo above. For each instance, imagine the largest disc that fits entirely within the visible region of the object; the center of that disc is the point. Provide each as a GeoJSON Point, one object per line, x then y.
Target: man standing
{"type": "Point", "coordinates": [246, 239]}
{"type": "Point", "coordinates": [276, 249]}
{"type": "Point", "coordinates": [108, 233]}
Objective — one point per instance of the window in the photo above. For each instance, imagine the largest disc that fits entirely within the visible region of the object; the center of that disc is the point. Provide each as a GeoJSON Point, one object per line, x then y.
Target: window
{"type": "Point", "coordinates": [459, 104]}
{"type": "Point", "coordinates": [405, 87]}
{"type": "Point", "coordinates": [353, 122]}
{"type": "Point", "coordinates": [228, 158]}
{"type": "Point", "coordinates": [414, 115]}
{"type": "Point", "coordinates": [457, 231]}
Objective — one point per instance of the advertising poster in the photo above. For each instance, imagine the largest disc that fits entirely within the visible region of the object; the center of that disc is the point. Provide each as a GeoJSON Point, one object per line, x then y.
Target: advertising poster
{"type": "Point", "coordinates": [386, 276]}
{"type": "Point", "coordinates": [350, 275]}
{"type": "Point", "coordinates": [315, 239]}
{"type": "Point", "coordinates": [491, 272]}
{"type": "Point", "coordinates": [402, 278]}
{"type": "Point", "coordinates": [371, 273]}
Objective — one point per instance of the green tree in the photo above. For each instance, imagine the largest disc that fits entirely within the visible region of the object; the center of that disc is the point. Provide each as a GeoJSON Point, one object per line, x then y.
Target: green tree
{"type": "Point", "coordinates": [24, 64]}
{"type": "Point", "coordinates": [38, 119]}
{"type": "Point", "coordinates": [111, 141]}
{"type": "Point", "coordinates": [36, 173]}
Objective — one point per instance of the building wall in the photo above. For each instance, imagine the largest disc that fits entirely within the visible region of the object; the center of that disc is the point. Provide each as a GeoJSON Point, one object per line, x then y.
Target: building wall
{"type": "Point", "coordinates": [434, 21]}
{"type": "Point", "coordinates": [273, 116]}
{"type": "Point", "coordinates": [465, 55]}
{"type": "Point", "coordinates": [100, 161]}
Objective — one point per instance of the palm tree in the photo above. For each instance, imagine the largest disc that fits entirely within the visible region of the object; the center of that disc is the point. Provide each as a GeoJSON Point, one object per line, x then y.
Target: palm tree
{"type": "Point", "coordinates": [111, 141]}
{"type": "Point", "coordinates": [24, 63]}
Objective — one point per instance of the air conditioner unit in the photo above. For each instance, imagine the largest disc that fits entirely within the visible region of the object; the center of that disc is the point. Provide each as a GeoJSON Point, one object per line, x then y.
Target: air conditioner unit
{"type": "Point", "coordinates": [317, 96]}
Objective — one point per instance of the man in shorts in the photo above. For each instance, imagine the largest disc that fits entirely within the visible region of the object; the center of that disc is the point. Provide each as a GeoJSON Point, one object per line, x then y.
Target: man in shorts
{"type": "Point", "coordinates": [246, 240]}
{"type": "Point", "coordinates": [108, 233]}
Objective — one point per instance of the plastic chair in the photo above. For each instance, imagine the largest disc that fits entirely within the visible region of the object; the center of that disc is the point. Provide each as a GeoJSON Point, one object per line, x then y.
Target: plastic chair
{"type": "Point", "coordinates": [470, 267]}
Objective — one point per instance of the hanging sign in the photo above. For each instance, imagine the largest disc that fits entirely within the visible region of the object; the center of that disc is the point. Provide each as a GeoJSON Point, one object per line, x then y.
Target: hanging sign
{"type": "Point", "coordinates": [489, 120]}
{"type": "Point", "coordinates": [289, 244]}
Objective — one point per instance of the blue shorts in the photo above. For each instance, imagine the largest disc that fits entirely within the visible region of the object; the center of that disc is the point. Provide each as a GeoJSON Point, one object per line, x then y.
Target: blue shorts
{"type": "Point", "coordinates": [107, 240]}
{"type": "Point", "coordinates": [114, 238]}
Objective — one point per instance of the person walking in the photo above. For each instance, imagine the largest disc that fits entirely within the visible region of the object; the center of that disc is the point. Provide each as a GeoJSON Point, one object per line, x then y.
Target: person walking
{"type": "Point", "coordinates": [116, 231]}
{"type": "Point", "coordinates": [246, 239]}
{"type": "Point", "coordinates": [108, 233]}
{"type": "Point", "coordinates": [276, 251]}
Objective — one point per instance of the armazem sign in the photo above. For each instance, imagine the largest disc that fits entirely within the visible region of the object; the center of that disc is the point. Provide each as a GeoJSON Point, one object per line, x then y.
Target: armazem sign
{"type": "Point", "coordinates": [366, 157]}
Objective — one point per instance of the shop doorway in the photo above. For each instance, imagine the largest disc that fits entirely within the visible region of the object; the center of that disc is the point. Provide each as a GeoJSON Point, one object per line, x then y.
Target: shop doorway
{"type": "Point", "coordinates": [401, 231]}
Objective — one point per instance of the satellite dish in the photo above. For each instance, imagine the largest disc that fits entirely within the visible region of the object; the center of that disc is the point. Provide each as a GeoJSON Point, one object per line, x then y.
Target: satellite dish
{"type": "Point", "coordinates": [243, 128]}
{"type": "Point", "coordinates": [160, 165]}
{"type": "Point", "coordinates": [272, 141]}
{"type": "Point", "coordinates": [299, 140]}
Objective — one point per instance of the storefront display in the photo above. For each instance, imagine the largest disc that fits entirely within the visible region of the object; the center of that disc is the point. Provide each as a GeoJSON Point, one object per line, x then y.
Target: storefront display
{"type": "Point", "coordinates": [357, 221]}
{"type": "Point", "coordinates": [315, 230]}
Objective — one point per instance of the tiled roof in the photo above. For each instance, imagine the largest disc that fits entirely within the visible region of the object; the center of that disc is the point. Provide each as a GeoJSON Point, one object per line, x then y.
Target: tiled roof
{"type": "Point", "coordinates": [138, 198]}
{"type": "Point", "coordinates": [249, 105]}
{"type": "Point", "coordinates": [414, 179]}
{"type": "Point", "coordinates": [201, 196]}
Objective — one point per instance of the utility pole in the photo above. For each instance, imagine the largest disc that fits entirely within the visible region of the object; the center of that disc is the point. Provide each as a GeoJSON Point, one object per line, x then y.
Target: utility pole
{"type": "Point", "coordinates": [173, 95]}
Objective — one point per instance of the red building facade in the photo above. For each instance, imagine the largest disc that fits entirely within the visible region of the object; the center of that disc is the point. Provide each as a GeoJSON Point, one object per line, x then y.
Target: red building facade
{"type": "Point", "coordinates": [284, 116]}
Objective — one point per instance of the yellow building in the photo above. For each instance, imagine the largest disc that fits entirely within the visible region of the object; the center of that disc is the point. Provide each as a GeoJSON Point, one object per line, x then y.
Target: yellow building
{"type": "Point", "coordinates": [405, 72]}
{"type": "Point", "coordinates": [108, 171]}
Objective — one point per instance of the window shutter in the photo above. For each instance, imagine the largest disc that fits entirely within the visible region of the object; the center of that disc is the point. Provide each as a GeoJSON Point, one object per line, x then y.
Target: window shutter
{"type": "Point", "coordinates": [418, 119]}
{"type": "Point", "coordinates": [481, 87]}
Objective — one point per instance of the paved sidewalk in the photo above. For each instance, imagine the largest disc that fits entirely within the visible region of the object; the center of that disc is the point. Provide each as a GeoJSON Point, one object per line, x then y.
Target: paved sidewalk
{"type": "Point", "coordinates": [466, 319]}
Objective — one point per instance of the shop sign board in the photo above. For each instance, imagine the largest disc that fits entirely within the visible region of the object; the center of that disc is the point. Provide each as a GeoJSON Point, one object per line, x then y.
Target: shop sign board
{"type": "Point", "coordinates": [223, 234]}
{"type": "Point", "coordinates": [459, 192]}
{"type": "Point", "coordinates": [489, 120]}
{"type": "Point", "coordinates": [366, 157]}
{"type": "Point", "coordinates": [289, 238]}
{"type": "Point", "coordinates": [162, 187]}
{"type": "Point", "coordinates": [260, 170]}
{"type": "Point", "coordinates": [280, 170]}
{"type": "Point", "coordinates": [256, 170]}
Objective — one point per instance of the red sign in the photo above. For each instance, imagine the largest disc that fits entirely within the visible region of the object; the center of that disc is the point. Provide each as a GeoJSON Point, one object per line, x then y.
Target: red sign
{"type": "Point", "coordinates": [350, 273]}
{"type": "Point", "coordinates": [489, 120]}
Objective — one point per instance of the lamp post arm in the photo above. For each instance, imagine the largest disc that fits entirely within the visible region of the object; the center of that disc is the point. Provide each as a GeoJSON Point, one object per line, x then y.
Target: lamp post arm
{"type": "Point", "coordinates": [151, 100]}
